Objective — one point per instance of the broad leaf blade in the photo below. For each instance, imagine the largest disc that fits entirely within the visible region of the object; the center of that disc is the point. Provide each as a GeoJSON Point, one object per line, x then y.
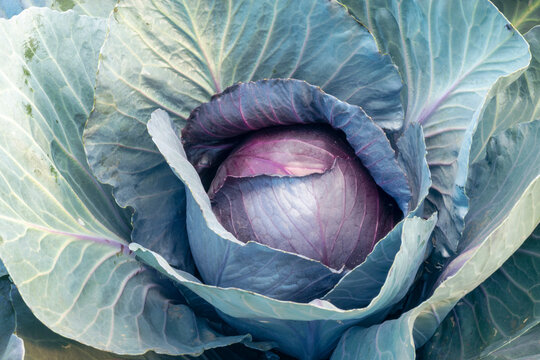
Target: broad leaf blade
{"type": "Point", "coordinates": [396, 339]}
{"type": "Point", "coordinates": [175, 55]}
{"type": "Point", "coordinates": [523, 14]}
{"type": "Point", "coordinates": [261, 315]}
{"type": "Point", "coordinates": [501, 309]}
{"type": "Point", "coordinates": [295, 326]}
{"type": "Point", "coordinates": [15, 349]}
{"type": "Point", "coordinates": [494, 245]}
{"type": "Point", "coordinates": [391, 340]}
{"type": "Point", "coordinates": [100, 8]}
{"type": "Point", "coordinates": [47, 85]}
{"type": "Point", "coordinates": [9, 8]}
{"type": "Point", "coordinates": [525, 347]}
{"type": "Point", "coordinates": [411, 149]}
{"type": "Point", "coordinates": [448, 65]}
{"type": "Point", "coordinates": [7, 316]}
{"type": "Point", "coordinates": [3, 270]}
{"type": "Point", "coordinates": [59, 235]}
{"type": "Point", "coordinates": [510, 101]}
{"type": "Point", "coordinates": [495, 184]}
{"type": "Point", "coordinates": [511, 188]}
{"type": "Point", "coordinates": [41, 343]}
{"type": "Point", "coordinates": [410, 239]}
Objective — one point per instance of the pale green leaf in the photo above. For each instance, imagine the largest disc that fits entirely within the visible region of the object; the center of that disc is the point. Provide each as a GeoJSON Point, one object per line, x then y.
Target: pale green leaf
{"type": "Point", "coordinates": [510, 101]}
{"type": "Point", "coordinates": [100, 8]}
{"type": "Point", "coordinates": [450, 53]}
{"type": "Point", "coordinates": [495, 314]}
{"type": "Point", "coordinates": [15, 349]}
{"type": "Point", "coordinates": [523, 14]}
{"type": "Point", "coordinates": [62, 237]}
{"type": "Point", "coordinates": [505, 172]}
{"type": "Point", "coordinates": [526, 347]}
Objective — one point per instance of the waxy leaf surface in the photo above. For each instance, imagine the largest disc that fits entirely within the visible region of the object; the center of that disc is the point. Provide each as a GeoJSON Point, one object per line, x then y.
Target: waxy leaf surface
{"type": "Point", "coordinates": [448, 64]}
{"type": "Point", "coordinates": [63, 238]}
{"type": "Point", "coordinates": [255, 312]}
{"type": "Point", "coordinates": [175, 55]}
{"type": "Point", "coordinates": [396, 339]}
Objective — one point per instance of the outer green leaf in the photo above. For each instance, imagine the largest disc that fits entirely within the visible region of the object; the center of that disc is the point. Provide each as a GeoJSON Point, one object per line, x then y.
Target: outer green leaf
{"type": "Point", "coordinates": [40, 343]}
{"type": "Point", "coordinates": [496, 313]}
{"type": "Point", "coordinates": [391, 340]}
{"type": "Point", "coordinates": [47, 83]}
{"type": "Point", "coordinates": [378, 264]}
{"type": "Point", "coordinates": [448, 64]}
{"type": "Point", "coordinates": [499, 239]}
{"type": "Point", "coordinates": [176, 54]}
{"type": "Point", "coordinates": [3, 270]}
{"type": "Point", "coordinates": [526, 347]}
{"type": "Point", "coordinates": [394, 339]}
{"type": "Point", "coordinates": [58, 231]}
{"type": "Point", "coordinates": [100, 8]}
{"type": "Point", "coordinates": [15, 349]}
{"type": "Point", "coordinates": [506, 178]}
{"type": "Point", "coordinates": [9, 8]}
{"type": "Point", "coordinates": [510, 101]}
{"type": "Point", "coordinates": [495, 184]}
{"type": "Point", "coordinates": [523, 14]}
{"type": "Point", "coordinates": [7, 316]}
{"type": "Point", "coordinates": [293, 326]}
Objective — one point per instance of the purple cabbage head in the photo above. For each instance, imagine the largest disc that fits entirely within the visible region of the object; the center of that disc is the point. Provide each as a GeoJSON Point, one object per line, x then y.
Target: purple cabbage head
{"type": "Point", "coordinates": [301, 189]}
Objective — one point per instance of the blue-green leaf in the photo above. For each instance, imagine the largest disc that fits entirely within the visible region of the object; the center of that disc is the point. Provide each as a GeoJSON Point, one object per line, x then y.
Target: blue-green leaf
{"type": "Point", "coordinates": [505, 181]}
{"type": "Point", "coordinates": [3, 270]}
{"type": "Point", "coordinates": [391, 340]}
{"type": "Point", "coordinates": [396, 339]}
{"type": "Point", "coordinates": [497, 241]}
{"type": "Point", "coordinates": [7, 316]}
{"type": "Point", "coordinates": [61, 234]}
{"type": "Point", "coordinates": [401, 251]}
{"type": "Point", "coordinates": [496, 183]}
{"type": "Point", "coordinates": [101, 8]}
{"type": "Point", "coordinates": [412, 158]}
{"type": "Point", "coordinates": [9, 8]}
{"type": "Point", "coordinates": [523, 14]}
{"type": "Point", "coordinates": [15, 349]}
{"type": "Point", "coordinates": [525, 347]}
{"type": "Point", "coordinates": [258, 314]}
{"type": "Point", "coordinates": [510, 101]}
{"type": "Point", "coordinates": [41, 343]}
{"type": "Point", "coordinates": [496, 313]}
{"type": "Point", "coordinates": [448, 65]}
{"type": "Point", "coordinates": [175, 55]}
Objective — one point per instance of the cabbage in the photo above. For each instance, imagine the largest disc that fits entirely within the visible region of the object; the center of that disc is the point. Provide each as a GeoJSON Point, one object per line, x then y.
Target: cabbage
{"type": "Point", "coordinates": [304, 191]}
{"type": "Point", "coordinates": [244, 179]}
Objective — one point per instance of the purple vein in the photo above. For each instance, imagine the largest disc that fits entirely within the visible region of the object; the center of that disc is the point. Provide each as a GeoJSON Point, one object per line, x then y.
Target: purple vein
{"type": "Point", "coordinates": [123, 247]}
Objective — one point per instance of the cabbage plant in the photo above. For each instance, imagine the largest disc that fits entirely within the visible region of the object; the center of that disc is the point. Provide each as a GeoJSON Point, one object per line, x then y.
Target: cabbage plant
{"type": "Point", "coordinates": [269, 179]}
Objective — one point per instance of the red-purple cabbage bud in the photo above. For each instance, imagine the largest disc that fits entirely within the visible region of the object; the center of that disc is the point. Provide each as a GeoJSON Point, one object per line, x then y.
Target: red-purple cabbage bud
{"type": "Point", "coordinates": [302, 189]}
